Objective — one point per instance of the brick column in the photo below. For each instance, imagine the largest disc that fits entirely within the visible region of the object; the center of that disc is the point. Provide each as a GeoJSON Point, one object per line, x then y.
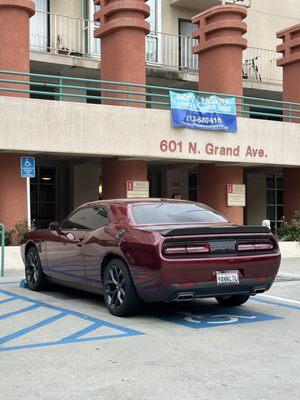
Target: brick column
{"type": "Point", "coordinates": [14, 40]}
{"type": "Point", "coordinates": [14, 56]}
{"type": "Point", "coordinates": [12, 190]}
{"type": "Point", "coordinates": [290, 62]}
{"type": "Point", "coordinates": [220, 52]}
{"type": "Point", "coordinates": [117, 172]}
{"type": "Point", "coordinates": [123, 31]}
{"type": "Point", "coordinates": [213, 189]}
{"type": "Point", "coordinates": [220, 48]}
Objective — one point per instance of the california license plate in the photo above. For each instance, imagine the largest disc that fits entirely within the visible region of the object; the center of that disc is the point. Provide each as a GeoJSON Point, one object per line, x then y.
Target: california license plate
{"type": "Point", "coordinates": [227, 277]}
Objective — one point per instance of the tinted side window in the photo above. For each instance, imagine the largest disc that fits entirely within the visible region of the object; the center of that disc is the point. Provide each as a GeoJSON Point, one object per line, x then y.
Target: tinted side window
{"type": "Point", "coordinates": [87, 218]}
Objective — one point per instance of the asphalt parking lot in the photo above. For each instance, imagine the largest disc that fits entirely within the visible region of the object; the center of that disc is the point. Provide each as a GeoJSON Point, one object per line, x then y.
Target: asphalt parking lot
{"type": "Point", "coordinates": [63, 344]}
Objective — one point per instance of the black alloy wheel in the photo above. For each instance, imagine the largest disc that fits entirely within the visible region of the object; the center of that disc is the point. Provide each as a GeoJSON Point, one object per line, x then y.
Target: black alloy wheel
{"type": "Point", "coordinates": [120, 294]}
{"type": "Point", "coordinates": [231, 301]}
{"type": "Point", "coordinates": [34, 275]}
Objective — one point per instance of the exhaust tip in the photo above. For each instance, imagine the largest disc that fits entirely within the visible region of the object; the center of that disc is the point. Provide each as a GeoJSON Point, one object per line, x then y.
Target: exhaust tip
{"type": "Point", "coordinates": [258, 290]}
{"type": "Point", "coordinates": [185, 297]}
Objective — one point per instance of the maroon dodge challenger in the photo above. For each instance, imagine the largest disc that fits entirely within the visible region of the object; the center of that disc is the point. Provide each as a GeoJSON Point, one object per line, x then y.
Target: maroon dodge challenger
{"type": "Point", "coordinates": [150, 250]}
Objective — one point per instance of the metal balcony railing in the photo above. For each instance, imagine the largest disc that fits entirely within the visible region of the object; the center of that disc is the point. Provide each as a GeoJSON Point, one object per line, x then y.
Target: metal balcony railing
{"type": "Point", "coordinates": [74, 36]}
{"type": "Point", "coordinates": [124, 93]}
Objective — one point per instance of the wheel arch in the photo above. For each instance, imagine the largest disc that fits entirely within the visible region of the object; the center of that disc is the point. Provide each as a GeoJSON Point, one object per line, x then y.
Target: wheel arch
{"type": "Point", "coordinates": [28, 246]}
{"type": "Point", "coordinates": [107, 259]}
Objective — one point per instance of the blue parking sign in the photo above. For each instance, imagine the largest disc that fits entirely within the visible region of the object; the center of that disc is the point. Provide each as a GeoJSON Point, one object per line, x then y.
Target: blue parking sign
{"type": "Point", "coordinates": [27, 167]}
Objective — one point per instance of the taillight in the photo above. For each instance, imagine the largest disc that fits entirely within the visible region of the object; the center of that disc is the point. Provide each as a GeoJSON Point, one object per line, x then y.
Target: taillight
{"type": "Point", "coordinates": [200, 248]}
{"type": "Point", "coordinates": [175, 250]}
{"type": "Point", "coordinates": [172, 249]}
{"type": "Point", "coordinates": [255, 245]}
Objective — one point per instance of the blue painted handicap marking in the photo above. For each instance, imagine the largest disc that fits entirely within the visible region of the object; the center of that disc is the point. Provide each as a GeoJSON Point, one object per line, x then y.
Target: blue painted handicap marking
{"type": "Point", "coordinates": [23, 284]}
{"type": "Point", "coordinates": [27, 323]}
{"type": "Point", "coordinates": [210, 317]}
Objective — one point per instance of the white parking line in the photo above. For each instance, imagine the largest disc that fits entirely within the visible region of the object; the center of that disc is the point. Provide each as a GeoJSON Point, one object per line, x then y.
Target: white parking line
{"type": "Point", "coordinates": [281, 299]}
{"type": "Point", "coordinates": [288, 274]}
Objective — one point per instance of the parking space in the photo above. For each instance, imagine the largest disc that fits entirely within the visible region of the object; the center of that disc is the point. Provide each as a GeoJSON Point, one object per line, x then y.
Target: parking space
{"type": "Point", "coordinates": [62, 343]}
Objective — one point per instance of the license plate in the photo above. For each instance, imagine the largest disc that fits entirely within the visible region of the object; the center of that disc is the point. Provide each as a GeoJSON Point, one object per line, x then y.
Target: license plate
{"type": "Point", "coordinates": [227, 277]}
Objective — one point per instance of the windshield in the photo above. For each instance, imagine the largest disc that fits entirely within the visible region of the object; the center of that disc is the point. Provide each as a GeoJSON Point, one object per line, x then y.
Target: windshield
{"type": "Point", "coordinates": [174, 213]}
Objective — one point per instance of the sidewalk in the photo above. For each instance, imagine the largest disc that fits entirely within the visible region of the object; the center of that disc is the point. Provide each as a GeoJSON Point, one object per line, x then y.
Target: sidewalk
{"type": "Point", "coordinates": [13, 260]}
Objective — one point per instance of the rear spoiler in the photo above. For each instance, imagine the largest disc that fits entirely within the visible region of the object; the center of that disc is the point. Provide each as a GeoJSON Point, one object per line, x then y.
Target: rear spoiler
{"type": "Point", "coordinates": [208, 230]}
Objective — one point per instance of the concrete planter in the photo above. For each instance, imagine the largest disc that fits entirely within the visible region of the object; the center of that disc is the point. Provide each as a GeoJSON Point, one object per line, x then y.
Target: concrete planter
{"type": "Point", "coordinates": [13, 260]}
{"type": "Point", "coordinates": [289, 249]}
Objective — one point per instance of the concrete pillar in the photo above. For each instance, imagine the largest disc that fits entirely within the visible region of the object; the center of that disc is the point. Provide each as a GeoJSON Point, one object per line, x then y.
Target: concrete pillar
{"type": "Point", "coordinates": [213, 183]}
{"type": "Point", "coordinates": [220, 52]}
{"type": "Point", "coordinates": [12, 190]}
{"type": "Point", "coordinates": [14, 43]}
{"type": "Point", "coordinates": [290, 62]}
{"type": "Point", "coordinates": [14, 56]}
{"type": "Point", "coordinates": [116, 173]}
{"type": "Point", "coordinates": [123, 31]}
{"type": "Point", "coordinates": [220, 48]}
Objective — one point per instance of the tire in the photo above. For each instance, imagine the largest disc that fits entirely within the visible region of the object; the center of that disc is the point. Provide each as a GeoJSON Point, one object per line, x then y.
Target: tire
{"type": "Point", "coordinates": [34, 275]}
{"type": "Point", "coordinates": [231, 301]}
{"type": "Point", "coordinates": [120, 294]}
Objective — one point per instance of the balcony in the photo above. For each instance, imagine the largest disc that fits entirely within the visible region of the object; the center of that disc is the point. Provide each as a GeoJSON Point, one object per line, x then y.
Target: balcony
{"type": "Point", "coordinates": [201, 5]}
{"type": "Point", "coordinates": [68, 36]}
{"type": "Point", "coordinates": [50, 127]}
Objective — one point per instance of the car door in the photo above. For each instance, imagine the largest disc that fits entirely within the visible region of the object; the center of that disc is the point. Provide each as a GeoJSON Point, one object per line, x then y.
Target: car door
{"type": "Point", "coordinates": [101, 240]}
{"type": "Point", "coordinates": [65, 250]}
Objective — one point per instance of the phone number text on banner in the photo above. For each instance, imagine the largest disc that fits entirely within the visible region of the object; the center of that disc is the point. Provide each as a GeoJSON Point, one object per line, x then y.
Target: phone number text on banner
{"type": "Point", "coordinates": [189, 110]}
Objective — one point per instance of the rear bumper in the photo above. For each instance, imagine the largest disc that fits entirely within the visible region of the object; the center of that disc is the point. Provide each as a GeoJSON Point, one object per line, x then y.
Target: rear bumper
{"type": "Point", "coordinates": [198, 277]}
{"type": "Point", "coordinates": [173, 292]}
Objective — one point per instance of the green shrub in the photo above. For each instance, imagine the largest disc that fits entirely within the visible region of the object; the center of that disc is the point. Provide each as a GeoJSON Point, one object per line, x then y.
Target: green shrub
{"type": "Point", "coordinates": [290, 230]}
{"type": "Point", "coordinates": [16, 234]}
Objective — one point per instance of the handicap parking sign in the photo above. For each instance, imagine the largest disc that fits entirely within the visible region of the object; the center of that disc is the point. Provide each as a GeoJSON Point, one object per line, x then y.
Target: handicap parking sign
{"type": "Point", "coordinates": [27, 167]}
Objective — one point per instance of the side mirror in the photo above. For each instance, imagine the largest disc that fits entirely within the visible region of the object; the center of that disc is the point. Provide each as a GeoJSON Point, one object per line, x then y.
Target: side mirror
{"type": "Point", "coordinates": [54, 226]}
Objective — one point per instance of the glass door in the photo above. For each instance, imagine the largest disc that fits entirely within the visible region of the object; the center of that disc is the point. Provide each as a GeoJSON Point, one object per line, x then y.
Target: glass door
{"type": "Point", "coordinates": [39, 27]}
{"type": "Point", "coordinates": [93, 44]}
{"type": "Point", "coordinates": [275, 199]}
{"type": "Point", "coordinates": [187, 60]}
{"type": "Point", "coordinates": [43, 190]}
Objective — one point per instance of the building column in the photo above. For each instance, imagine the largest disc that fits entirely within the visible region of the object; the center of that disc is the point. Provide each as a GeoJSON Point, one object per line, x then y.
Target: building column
{"type": "Point", "coordinates": [123, 30]}
{"type": "Point", "coordinates": [220, 48]}
{"type": "Point", "coordinates": [14, 43]}
{"type": "Point", "coordinates": [115, 174]}
{"type": "Point", "coordinates": [213, 183]}
{"type": "Point", "coordinates": [290, 62]}
{"type": "Point", "coordinates": [14, 56]}
{"type": "Point", "coordinates": [12, 191]}
{"type": "Point", "coordinates": [220, 53]}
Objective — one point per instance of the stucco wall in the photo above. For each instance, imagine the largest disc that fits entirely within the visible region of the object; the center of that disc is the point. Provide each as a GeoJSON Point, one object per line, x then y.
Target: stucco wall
{"type": "Point", "coordinates": [33, 125]}
{"type": "Point", "coordinates": [266, 17]}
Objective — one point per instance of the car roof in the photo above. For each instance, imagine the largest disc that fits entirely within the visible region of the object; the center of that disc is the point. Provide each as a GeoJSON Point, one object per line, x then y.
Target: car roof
{"type": "Point", "coordinates": [137, 201]}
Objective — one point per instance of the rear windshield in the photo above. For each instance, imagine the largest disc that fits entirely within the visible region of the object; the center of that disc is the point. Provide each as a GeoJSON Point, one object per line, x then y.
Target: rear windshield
{"type": "Point", "coordinates": [168, 213]}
